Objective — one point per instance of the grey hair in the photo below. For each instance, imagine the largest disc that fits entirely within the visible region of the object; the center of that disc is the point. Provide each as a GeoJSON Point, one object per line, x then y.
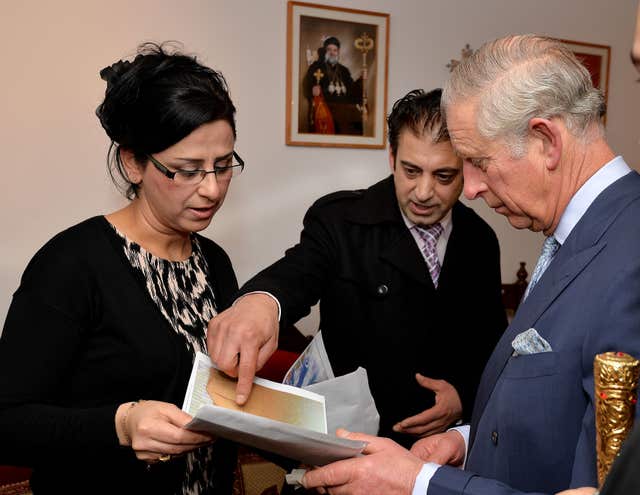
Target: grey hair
{"type": "Point", "coordinates": [518, 78]}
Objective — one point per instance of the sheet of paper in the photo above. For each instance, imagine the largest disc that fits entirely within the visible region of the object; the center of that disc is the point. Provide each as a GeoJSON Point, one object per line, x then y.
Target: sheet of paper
{"type": "Point", "coordinates": [289, 440]}
{"type": "Point", "coordinates": [312, 366]}
{"type": "Point", "coordinates": [196, 395]}
{"type": "Point", "coordinates": [271, 400]}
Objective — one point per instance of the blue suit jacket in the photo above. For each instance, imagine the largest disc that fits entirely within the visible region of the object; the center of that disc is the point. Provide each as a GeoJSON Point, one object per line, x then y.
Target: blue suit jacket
{"type": "Point", "coordinates": [533, 426]}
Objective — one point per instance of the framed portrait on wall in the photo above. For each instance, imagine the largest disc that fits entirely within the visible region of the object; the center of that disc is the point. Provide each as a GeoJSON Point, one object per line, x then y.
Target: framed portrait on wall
{"type": "Point", "coordinates": [337, 64]}
{"type": "Point", "coordinates": [596, 59]}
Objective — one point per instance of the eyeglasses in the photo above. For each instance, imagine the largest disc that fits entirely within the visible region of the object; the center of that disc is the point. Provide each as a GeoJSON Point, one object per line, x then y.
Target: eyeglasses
{"type": "Point", "coordinates": [225, 168]}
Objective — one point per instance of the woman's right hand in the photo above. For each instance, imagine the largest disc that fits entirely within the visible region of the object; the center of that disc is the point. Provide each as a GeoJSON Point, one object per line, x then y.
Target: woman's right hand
{"type": "Point", "coordinates": [155, 430]}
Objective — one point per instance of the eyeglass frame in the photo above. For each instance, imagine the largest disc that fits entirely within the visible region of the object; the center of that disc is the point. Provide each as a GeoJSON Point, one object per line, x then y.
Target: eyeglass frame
{"type": "Point", "coordinates": [172, 174]}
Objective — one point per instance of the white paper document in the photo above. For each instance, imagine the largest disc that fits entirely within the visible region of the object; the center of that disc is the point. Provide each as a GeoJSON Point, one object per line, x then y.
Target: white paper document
{"type": "Point", "coordinates": [298, 433]}
{"type": "Point", "coordinates": [349, 403]}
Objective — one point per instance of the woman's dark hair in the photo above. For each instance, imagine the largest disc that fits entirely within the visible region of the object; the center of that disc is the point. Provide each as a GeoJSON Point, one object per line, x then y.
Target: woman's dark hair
{"type": "Point", "coordinates": [156, 100]}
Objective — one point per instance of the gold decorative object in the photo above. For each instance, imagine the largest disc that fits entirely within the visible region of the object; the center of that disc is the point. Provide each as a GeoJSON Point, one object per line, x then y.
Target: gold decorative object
{"type": "Point", "coordinates": [365, 44]}
{"type": "Point", "coordinates": [466, 52]}
{"type": "Point", "coordinates": [616, 384]}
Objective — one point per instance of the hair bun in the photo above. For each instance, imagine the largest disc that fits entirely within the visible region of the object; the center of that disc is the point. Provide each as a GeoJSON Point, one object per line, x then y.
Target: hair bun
{"type": "Point", "coordinates": [114, 72]}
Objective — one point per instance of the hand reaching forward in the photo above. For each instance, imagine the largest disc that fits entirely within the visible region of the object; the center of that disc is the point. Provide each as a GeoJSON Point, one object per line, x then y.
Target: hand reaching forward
{"type": "Point", "coordinates": [155, 429]}
{"type": "Point", "coordinates": [242, 338]}
{"type": "Point", "coordinates": [446, 411]}
{"type": "Point", "coordinates": [385, 468]}
{"type": "Point", "coordinates": [445, 448]}
{"type": "Point", "coordinates": [579, 491]}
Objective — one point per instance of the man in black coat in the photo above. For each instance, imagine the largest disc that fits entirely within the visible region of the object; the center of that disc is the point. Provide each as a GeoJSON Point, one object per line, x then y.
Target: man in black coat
{"type": "Point", "coordinates": [408, 280]}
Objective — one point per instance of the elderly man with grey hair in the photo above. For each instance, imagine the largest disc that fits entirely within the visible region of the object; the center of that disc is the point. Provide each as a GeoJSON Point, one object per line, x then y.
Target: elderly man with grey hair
{"type": "Point", "coordinates": [526, 120]}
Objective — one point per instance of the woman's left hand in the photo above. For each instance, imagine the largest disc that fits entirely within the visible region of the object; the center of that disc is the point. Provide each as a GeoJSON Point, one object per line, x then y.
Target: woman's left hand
{"type": "Point", "coordinates": [155, 430]}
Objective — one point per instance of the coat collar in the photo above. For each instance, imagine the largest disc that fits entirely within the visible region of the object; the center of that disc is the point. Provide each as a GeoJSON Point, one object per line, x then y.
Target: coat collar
{"type": "Point", "coordinates": [378, 205]}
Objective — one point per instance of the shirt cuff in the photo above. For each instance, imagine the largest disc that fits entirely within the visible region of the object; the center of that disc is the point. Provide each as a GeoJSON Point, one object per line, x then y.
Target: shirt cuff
{"type": "Point", "coordinates": [424, 477]}
{"type": "Point", "coordinates": [267, 294]}
{"type": "Point", "coordinates": [464, 431]}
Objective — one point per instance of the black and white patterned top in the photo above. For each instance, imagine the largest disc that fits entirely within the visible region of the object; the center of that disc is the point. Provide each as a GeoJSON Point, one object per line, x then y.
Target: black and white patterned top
{"type": "Point", "coordinates": [184, 297]}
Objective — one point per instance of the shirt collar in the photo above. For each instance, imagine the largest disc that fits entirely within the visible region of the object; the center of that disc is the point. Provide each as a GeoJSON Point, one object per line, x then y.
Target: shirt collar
{"type": "Point", "coordinates": [445, 222]}
{"type": "Point", "coordinates": [589, 191]}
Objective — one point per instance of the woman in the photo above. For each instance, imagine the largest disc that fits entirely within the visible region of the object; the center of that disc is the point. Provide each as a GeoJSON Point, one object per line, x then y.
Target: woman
{"type": "Point", "coordinates": [100, 337]}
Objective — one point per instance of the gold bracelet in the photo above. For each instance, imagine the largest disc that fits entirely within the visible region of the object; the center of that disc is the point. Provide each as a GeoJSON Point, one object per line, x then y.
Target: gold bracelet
{"type": "Point", "coordinates": [124, 425]}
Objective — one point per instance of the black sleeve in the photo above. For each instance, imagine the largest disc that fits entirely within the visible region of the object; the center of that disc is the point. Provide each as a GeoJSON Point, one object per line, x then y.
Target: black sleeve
{"type": "Point", "coordinates": [298, 279]}
{"type": "Point", "coordinates": [493, 321]}
{"type": "Point", "coordinates": [309, 81]}
{"type": "Point", "coordinates": [487, 324]}
{"type": "Point", "coordinates": [42, 335]}
{"type": "Point", "coordinates": [624, 476]}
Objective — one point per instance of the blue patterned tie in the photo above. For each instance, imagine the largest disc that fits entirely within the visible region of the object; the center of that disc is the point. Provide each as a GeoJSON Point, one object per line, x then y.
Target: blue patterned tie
{"type": "Point", "coordinates": [430, 237]}
{"type": "Point", "coordinates": [549, 249]}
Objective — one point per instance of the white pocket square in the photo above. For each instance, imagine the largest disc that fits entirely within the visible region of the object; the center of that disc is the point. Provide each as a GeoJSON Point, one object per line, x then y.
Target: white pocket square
{"type": "Point", "coordinates": [530, 342]}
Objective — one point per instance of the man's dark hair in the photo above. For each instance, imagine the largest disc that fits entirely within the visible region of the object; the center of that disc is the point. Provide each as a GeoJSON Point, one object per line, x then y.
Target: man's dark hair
{"type": "Point", "coordinates": [419, 112]}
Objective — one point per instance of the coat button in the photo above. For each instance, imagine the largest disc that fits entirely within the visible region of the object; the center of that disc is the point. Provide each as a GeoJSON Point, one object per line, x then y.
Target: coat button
{"type": "Point", "coordinates": [382, 290]}
{"type": "Point", "coordinates": [494, 437]}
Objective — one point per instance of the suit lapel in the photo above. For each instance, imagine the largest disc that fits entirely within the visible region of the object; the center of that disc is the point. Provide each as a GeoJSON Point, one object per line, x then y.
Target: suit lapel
{"type": "Point", "coordinates": [583, 244]}
{"type": "Point", "coordinates": [561, 272]}
{"type": "Point", "coordinates": [559, 275]}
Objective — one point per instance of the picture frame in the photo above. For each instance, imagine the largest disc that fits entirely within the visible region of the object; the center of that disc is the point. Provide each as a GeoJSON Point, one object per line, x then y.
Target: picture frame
{"type": "Point", "coordinates": [597, 59]}
{"type": "Point", "coordinates": [337, 71]}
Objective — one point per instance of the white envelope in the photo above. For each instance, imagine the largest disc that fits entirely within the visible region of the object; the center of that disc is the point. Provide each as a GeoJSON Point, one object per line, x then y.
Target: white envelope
{"type": "Point", "coordinates": [349, 403]}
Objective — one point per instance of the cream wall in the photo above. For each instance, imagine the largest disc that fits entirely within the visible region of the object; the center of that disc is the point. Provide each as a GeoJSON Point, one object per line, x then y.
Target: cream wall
{"type": "Point", "coordinates": [53, 149]}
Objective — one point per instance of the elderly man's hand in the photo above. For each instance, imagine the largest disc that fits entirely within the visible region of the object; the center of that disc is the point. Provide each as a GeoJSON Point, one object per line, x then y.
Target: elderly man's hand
{"type": "Point", "coordinates": [445, 448]}
{"type": "Point", "coordinates": [585, 490]}
{"type": "Point", "coordinates": [385, 468]}
{"type": "Point", "coordinates": [446, 411]}
{"type": "Point", "coordinates": [242, 338]}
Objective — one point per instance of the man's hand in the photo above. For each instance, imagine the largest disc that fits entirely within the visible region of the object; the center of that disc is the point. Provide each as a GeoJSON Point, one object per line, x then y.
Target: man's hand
{"type": "Point", "coordinates": [385, 468]}
{"type": "Point", "coordinates": [242, 338]}
{"type": "Point", "coordinates": [445, 448]}
{"type": "Point", "coordinates": [446, 411]}
{"type": "Point", "coordinates": [585, 490]}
